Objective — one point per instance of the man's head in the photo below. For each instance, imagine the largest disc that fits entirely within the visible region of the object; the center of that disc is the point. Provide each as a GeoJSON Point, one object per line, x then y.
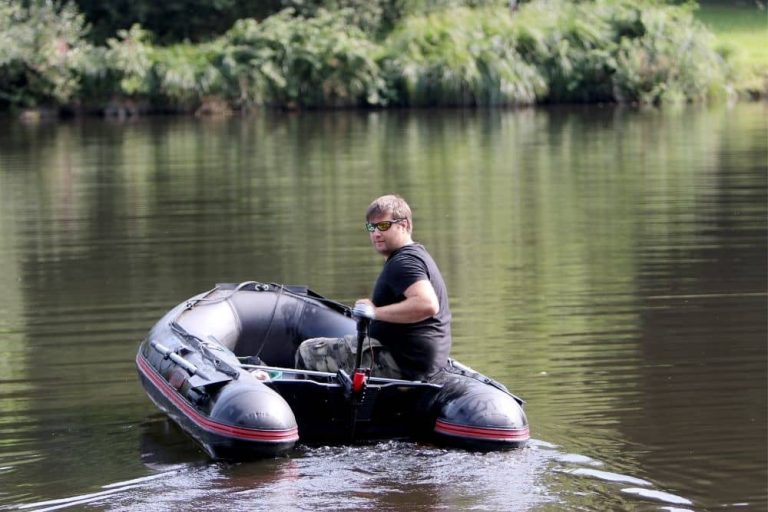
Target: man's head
{"type": "Point", "coordinates": [388, 220]}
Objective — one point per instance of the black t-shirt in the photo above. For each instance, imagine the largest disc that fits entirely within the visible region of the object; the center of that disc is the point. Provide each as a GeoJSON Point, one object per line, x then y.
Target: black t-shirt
{"type": "Point", "coordinates": [422, 348]}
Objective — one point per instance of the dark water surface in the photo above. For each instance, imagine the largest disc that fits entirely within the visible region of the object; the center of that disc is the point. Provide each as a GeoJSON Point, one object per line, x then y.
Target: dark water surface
{"type": "Point", "coordinates": [607, 265]}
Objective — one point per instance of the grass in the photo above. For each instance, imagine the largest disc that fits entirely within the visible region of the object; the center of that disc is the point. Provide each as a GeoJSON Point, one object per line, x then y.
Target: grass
{"type": "Point", "coordinates": [741, 29]}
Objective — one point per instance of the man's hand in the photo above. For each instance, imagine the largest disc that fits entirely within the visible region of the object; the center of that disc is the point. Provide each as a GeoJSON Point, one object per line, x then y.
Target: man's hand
{"type": "Point", "coordinates": [364, 309]}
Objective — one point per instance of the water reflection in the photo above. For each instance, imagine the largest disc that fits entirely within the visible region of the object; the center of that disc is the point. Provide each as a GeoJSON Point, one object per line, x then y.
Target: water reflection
{"type": "Point", "coordinates": [385, 476]}
{"type": "Point", "coordinates": [607, 265]}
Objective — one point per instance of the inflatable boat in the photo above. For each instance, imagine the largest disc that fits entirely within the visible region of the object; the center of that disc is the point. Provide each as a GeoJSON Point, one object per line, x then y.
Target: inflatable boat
{"type": "Point", "coordinates": [221, 365]}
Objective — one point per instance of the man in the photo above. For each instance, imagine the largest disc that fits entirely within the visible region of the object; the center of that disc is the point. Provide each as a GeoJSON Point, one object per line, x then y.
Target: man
{"type": "Point", "coordinates": [411, 326]}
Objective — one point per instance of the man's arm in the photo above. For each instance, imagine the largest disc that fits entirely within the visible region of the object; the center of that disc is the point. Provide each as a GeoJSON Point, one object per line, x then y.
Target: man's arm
{"type": "Point", "coordinates": [420, 303]}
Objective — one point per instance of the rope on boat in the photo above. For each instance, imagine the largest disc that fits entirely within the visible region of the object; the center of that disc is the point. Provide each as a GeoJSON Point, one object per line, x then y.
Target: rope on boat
{"type": "Point", "coordinates": [192, 303]}
{"type": "Point", "coordinates": [306, 293]}
{"type": "Point", "coordinates": [268, 330]}
{"type": "Point", "coordinates": [464, 370]}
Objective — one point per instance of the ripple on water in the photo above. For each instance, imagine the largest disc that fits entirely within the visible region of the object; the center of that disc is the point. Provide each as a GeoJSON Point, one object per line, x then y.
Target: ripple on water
{"type": "Point", "coordinates": [385, 476]}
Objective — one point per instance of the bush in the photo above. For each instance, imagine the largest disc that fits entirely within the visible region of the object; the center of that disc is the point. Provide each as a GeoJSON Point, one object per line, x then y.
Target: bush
{"type": "Point", "coordinates": [440, 53]}
{"type": "Point", "coordinates": [377, 18]}
{"type": "Point", "coordinates": [286, 60]}
{"type": "Point", "coordinates": [619, 51]}
{"type": "Point", "coordinates": [293, 61]}
{"type": "Point", "coordinates": [128, 62]}
{"type": "Point", "coordinates": [43, 54]}
{"type": "Point", "coordinates": [459, 57]}
{"type": "Point", "coordinates": [674, 61]}
{"type": "Point", "coordinates": [136, 74]}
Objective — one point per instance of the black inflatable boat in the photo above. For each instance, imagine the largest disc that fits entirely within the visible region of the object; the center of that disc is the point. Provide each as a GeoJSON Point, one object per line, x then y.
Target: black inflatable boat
{"type": "Point", "coordinates": [221, 365]}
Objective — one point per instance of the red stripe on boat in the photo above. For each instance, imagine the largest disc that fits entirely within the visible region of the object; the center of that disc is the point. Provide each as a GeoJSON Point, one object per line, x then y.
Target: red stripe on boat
{"type": "Point", "coordinates": [247, 434]}
{"type": "Point", "coordinates": [487, 433]}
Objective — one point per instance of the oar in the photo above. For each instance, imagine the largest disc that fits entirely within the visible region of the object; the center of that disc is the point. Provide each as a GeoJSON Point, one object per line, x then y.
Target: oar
{"type": "Point", "coordinates": [176, 358]}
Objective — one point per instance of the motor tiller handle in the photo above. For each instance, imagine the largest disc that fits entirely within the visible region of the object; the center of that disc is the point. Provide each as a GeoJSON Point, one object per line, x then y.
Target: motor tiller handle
{"type": "Point", "coordinates": [363, 313]}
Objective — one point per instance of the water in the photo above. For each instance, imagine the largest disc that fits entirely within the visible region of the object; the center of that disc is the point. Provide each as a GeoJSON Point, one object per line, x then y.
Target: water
{"type": "Point", "coordinates": [608, 265]}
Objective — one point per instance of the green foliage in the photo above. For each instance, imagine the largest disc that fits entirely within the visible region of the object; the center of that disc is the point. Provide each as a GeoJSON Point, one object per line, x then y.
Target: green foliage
{"type": "Point", "coordinates": [378, 18]}
{"type": "Point", "coordinates": [43, 53]}
{"type": "Point", "coordinates": [176, 21]}
{"type": "Point", "coordinates": [174, 78]}
{"type": "Point", "coordinates": [740, 30]}
{"type": "Point", "coordinates": [459, 57]}
{"type": "Point", "coordinates": [371, 16]}
{"type": "Point", "coordinates": [185, 73]}
{"type": "Point", "coordinates": [293, 61]}
{"type": "Point", "coordinates": [129, 60]}
{"type": "Point", "coordinates": [370, 53]}
{"type": "Point", "coordinates": [619, 50]}
{"type": "Point", "coordinates": [571, 50]}
{"type": "Point", "coordinates": [675, 63]}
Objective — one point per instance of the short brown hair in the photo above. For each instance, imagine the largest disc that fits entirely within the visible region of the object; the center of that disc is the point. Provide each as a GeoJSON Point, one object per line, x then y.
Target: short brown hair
{"type": "Point", "coordinates": [391, 203]}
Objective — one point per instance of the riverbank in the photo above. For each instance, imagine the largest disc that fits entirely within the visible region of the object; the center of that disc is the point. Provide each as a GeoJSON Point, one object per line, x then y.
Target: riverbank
{"type": "Point", "coordinates": [741, 30]}
{"type": "Point", "coordinates": [542, 52]}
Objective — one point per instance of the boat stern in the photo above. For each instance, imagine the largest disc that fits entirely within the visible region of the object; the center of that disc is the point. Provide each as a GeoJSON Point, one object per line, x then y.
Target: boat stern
{"type": "Point", "coordinates": [478, 416]}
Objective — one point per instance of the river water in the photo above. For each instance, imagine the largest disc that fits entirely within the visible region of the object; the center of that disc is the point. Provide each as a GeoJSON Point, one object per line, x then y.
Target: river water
{"type": "Point", "coordinates": [608, 265]}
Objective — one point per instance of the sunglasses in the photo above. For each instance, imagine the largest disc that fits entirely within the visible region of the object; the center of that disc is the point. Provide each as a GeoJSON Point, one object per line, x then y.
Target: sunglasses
{"type": "Point", "coordinates": [381, 226]}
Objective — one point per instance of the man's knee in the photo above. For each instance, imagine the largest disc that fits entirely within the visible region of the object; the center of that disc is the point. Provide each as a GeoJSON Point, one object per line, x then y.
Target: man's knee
{"type": "Point", "coordinates": [322, 354]}
{"type": "Point", "coordinates": [333, 354]}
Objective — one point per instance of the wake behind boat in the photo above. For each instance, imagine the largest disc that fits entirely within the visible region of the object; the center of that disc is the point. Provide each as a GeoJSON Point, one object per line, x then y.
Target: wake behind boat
{"type": "Point", "coordinates": [221, 365]}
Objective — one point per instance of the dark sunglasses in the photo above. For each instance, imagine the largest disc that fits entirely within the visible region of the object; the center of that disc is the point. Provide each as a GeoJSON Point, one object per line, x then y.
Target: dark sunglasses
{"type": "Point", "coordinates": [381, 226]}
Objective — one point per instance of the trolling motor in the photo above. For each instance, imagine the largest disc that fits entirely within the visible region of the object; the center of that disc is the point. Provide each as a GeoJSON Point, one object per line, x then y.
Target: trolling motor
{"type": "Point", "coordinates": [363, 313]}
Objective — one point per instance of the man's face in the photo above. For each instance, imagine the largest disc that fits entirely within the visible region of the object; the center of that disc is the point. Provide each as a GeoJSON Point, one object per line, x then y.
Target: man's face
{"type": "Point", "coordinates": [387, 240]}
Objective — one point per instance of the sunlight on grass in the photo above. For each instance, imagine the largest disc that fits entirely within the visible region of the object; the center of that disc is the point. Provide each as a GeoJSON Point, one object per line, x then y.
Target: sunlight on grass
{"type": "Point", "coordinates": [741, 28]}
